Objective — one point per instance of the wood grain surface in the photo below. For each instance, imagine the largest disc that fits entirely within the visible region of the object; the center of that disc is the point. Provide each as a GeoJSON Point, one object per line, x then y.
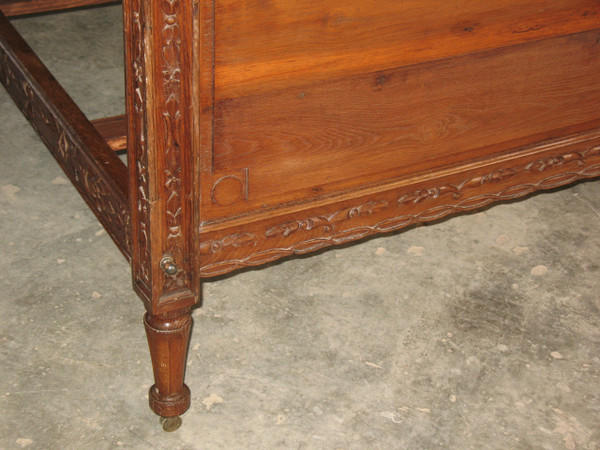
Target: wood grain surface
{"type": "Point", "coordinates": [265, 45]}
{"type": "Point", "coordinates": [113, 130]}
{"type": "Point", "coordinates": [332, 136]}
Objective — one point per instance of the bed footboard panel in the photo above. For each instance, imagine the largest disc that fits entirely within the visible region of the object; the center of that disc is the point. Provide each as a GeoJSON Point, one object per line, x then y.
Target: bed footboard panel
{"type": "Point", "coordinates": [327, 122]}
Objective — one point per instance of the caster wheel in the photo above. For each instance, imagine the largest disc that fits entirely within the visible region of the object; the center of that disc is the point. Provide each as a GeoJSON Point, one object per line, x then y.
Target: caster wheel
{"type": "Point", "coordinates": [170, 423]}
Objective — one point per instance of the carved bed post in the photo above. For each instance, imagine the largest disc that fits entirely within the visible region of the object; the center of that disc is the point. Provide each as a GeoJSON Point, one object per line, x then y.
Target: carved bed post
{"type": "Point", "coordinates": [158, 45]}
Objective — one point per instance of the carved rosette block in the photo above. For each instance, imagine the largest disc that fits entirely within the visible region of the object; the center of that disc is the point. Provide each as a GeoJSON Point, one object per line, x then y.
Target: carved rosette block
{"type": "Point", "coordinates": [168, 337]}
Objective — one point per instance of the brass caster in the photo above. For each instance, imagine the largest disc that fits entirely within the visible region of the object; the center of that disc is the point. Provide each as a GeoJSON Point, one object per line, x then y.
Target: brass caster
{"type": "Point", "coordinates": [170, 424]}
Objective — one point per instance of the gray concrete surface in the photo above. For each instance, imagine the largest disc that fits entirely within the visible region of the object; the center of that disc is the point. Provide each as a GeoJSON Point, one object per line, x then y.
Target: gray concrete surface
{"type": "Point", "coordinates": [480, 332]}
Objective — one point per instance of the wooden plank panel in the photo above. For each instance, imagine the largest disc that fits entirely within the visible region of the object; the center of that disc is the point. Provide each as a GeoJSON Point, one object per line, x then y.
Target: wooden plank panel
{"type": "Point", "coordinates": [329, 137]}
{"type": "Point", "coordinates": [262, 45]}
{"type": "Point", "coordinates": [21, 7]}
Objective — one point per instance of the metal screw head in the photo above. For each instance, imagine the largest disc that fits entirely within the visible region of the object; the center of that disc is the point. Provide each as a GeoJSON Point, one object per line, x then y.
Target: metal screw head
{"type": "Point", "coordinates": [169, 267]}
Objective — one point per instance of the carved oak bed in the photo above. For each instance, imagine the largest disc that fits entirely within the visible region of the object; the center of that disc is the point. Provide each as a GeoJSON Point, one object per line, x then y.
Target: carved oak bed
{"type": "Point", "coordinates": [260, 129]}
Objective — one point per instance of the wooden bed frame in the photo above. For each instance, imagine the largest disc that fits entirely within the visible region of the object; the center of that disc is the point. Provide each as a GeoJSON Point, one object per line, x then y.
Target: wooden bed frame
{"type": "Point", "coordinates": [258, 130]}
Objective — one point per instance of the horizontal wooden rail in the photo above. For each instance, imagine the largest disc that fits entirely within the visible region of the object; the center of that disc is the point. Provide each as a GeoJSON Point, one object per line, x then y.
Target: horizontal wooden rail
{"type": "Point", "coordinates": [22, 7]}
{"type": "Point", "coordinates": [91, 165]}
{"type": "Point", "coordinates": [113, 130]}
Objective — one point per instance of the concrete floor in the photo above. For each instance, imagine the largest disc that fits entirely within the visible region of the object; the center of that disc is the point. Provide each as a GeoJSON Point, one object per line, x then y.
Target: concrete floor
{"type": "Point", "coordinates": [476, 332]}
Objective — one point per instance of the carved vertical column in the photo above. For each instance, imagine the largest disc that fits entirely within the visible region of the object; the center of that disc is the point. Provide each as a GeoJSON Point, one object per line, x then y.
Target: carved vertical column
{"type": "Point", "coordinates": [159, 47]}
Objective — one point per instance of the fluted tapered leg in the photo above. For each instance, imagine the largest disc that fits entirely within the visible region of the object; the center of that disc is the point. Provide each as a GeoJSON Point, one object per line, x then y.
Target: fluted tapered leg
{"type": "Point", "coordinates": [168, 338]}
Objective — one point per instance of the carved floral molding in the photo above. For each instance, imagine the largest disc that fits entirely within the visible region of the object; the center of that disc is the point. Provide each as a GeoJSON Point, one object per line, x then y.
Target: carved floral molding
{"type": "Point", "coordinates": [462, 197]}
{"type": "Point", "coordinates": [138, 158]}
{"type": "Point", "coordinates": [71, 152]}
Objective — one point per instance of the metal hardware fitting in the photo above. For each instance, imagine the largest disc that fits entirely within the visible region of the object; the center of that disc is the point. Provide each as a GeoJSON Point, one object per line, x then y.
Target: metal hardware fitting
{"type": "Point", "coordinates": [168, 265]}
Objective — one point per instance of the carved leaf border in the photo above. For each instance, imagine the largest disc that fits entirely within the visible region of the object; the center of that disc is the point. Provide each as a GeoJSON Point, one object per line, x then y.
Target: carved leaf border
{"type": "Point", "coordinates": [71, 153]}
{"type": "Point", "coordinates": [172, 92]}
{"type": "Point", "coordinates": [142, 267]}
{"type": "Point", "coordinates": [327, 222]}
